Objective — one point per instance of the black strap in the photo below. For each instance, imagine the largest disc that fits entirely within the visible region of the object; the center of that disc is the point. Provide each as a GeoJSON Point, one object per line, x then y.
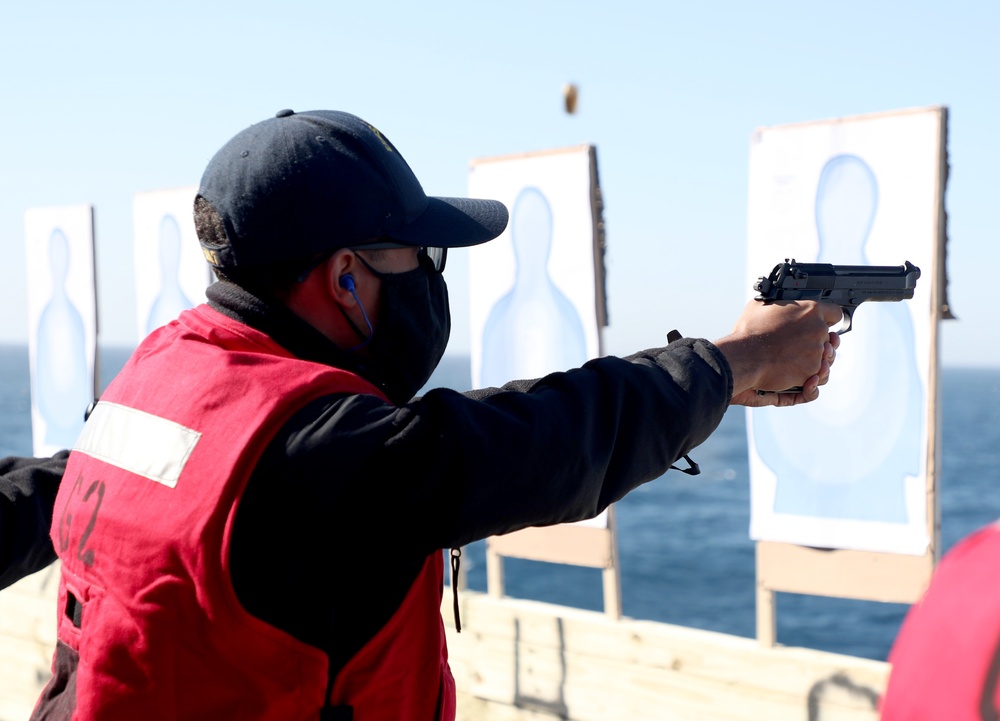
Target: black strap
{"type": "Point", "coordinates": [693, 468]}
{"type": "Point", "coordinates": [336, 713]}
{"type": "Point", "coordinates": [456, 561]}
{"type": "Point", "coordinates": [74, 609]}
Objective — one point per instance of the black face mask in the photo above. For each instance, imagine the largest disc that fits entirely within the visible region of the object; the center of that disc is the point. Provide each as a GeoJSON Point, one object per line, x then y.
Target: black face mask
{"type": "Point", "coordinates": [413, 329]}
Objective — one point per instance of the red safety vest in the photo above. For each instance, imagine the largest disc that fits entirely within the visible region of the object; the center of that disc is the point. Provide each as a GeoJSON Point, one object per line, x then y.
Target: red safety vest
{"type": "Point", "coordinates": [946, 657]}
{"type": "Point", "coordinates": [142, 525]}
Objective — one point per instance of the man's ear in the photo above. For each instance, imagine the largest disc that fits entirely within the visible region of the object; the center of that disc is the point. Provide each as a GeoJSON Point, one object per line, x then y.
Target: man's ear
{"type": "Point", "coordinates": [340, 277]}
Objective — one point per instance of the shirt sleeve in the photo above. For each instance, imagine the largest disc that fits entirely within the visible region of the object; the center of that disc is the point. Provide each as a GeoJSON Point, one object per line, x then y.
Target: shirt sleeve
{"type": "Point", "coordinates": [28, 488]}
{"type": "Point", "coordinates": [451, 468]}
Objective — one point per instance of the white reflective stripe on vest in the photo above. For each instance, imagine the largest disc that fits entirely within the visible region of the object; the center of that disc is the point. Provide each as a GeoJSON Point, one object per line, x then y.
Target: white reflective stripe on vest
{"type": "Point", "coordinates": [138, 442]}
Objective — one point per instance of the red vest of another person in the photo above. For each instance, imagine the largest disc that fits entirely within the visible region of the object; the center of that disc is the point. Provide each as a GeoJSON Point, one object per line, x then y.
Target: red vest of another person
{"type": "Point", "coordinates": [946, 657]}
{"type": "Point", "coordinates": [142, 525]}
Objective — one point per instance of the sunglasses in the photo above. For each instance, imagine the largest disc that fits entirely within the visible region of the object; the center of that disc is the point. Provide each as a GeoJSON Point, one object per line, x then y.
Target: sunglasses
{"type": "Point", "coordinates": [437, 256]}
{"type": "Point", "coordinates": [434, 257]}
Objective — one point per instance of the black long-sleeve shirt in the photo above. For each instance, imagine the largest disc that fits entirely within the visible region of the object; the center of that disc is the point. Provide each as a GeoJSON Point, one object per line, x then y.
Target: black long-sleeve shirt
{"type": "Point", "coordinates": [28, 488]}
{"type": "Point", "coordinates": [353, 493]}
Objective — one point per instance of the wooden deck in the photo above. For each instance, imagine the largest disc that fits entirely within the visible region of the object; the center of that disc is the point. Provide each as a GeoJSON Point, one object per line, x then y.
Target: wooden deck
{"type": "Point", "coordinates": [519, 660]}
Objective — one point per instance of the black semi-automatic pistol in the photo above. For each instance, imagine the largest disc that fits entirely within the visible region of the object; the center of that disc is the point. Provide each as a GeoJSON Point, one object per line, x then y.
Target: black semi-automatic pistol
{"type": "Point", "coordinates": [846, 285]}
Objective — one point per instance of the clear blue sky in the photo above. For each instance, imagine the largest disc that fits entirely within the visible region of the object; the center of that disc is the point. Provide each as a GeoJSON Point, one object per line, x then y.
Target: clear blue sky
{"type": "Point", "coordinates": [104, 99]}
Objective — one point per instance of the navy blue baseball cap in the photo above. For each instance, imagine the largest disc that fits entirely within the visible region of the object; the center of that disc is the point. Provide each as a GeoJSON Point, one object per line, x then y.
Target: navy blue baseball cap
{"type": "Point", "coordinates": [300, 184]}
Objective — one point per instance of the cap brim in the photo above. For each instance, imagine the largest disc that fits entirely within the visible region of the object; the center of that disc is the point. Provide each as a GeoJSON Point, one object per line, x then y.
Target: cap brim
{"type": "Point", "coordinates": [455, 223]}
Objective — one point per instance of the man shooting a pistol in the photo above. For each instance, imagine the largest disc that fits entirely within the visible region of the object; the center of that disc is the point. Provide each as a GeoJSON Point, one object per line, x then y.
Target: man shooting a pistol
{"type": "Point", "coordinates": [253, 518]}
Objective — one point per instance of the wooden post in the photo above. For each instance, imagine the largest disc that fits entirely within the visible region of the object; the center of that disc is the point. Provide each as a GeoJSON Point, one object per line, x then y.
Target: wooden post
{"type": "Point", "coordinates": [494, 572]}
{"type": "Point", "coordinates": [767, 615]}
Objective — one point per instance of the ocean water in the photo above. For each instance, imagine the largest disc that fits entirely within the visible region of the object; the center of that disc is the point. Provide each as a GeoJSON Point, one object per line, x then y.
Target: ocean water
{"type": "Point", "coordinates": [684, 551]}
